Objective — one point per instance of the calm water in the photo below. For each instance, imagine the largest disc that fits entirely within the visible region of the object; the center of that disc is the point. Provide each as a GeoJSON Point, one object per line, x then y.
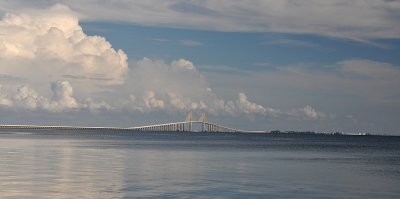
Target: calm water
{"type": "Point", "coordinates": [196, 165]}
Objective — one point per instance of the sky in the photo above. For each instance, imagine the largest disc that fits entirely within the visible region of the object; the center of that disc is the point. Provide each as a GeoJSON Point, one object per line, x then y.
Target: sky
{"type": "Point", "coordinates": [312, 65]}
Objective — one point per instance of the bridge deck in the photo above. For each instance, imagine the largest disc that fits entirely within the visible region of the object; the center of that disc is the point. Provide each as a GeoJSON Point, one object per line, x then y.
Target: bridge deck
{"type": "Point", "coordinates": [176, 126]}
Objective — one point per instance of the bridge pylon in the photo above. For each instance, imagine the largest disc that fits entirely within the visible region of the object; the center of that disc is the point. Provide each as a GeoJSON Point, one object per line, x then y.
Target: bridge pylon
{"type": "Point", "coordinates": [203, 120]}
{"type": "Point", "coordinates": [189, 120]}
{"type": "Point", "coordinates": [189, 117]}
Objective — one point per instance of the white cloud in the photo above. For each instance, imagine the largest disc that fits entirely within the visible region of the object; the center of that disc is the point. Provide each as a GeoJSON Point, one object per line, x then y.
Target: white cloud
{"type": "Point", "coordinates": [179, 86]}
{"type": "Point", "coordinates": [183, 64]}
{"type": "Point", "coordinates": [62, 99]}
{"type": "Point", "coordinates": [153, 86]}
{"type": "Point", "coordinates": [92, 105]}
{"type": "Point", "coordinates": [359, 20]}
{"type": "Point", "coordinates": [151, 101]}
{"type": "Point", "coordinates": [176, 102]}
{"type": "Point", "coordinates": [62, 96]}
{"type": "Point", "coordinates": [50, 45]}
{"type": "Point", "coordinates": [180, 78]}
{"type": "Point", "coordinates": [44, 46]}
{"type": "Point", "coordinates": [28, 98]}
{"type": "Point", "coordinates": [306, 112]}
{"type": "Point", "coordinates": [310, 112]}
{"type": "Point", "coordinates": [243, 104]}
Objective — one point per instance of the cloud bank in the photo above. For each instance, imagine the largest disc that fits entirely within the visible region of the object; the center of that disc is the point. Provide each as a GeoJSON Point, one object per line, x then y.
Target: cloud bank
{"type": "Point", "coordinates": [179, 87]}
{"type": "Point", "coordinates": [27, 98]}
{"type": "Point", "coordinates": [359, 19]}
{"type": "Point", "coordinates": [49, 64]}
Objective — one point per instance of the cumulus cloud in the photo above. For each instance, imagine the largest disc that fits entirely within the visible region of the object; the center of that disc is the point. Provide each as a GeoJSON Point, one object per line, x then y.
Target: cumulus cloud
{"type": "Point", "coordinates": [50, 45]}
{"type": "Point", "coordinates": [42, 47]}
{"type": "Point", "coordinates": [62, 99]}
{"type": "Point", "coordinates": [243, 106]}
{"type": "Point", "coordinates": [249, 107]}
{"type": "Point", "coordinates": [306, 112]}
{"type": "Point", "coordinates": [179, 86]}
{"type": "Point", "coordinates": [28, 98]}
{"type": "Point", "coordinates": [374, 19]}
{"type": "Point", "coordinates": [183, 64]}
{"type": "Point", "coordinates": [151, 101]}
{"type": "Point", "coordinates": [62, 96]}
{"type": "Point", "coordinates": [92, 105]}
{"type": "Point", "coordinates": [176, 102]}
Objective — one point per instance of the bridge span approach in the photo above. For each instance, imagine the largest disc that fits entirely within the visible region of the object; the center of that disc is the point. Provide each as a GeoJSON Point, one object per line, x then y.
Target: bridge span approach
{"type": "Point", "coordinates": [186, 126]}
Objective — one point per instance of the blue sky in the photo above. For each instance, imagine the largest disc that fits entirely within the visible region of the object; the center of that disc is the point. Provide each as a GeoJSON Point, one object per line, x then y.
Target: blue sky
{"type": "Point", "coordinates": [239, 49]}
{"type": "Point", "coordinates": [260, 65]}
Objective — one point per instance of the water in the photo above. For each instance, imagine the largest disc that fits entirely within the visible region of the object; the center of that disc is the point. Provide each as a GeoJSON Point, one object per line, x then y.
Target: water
{"type": "Point", "coordinates": [62, 164]}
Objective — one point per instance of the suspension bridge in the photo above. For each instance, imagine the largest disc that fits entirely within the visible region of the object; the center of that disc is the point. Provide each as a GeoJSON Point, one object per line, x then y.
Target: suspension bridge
{"type": "Point", "coordinates": [189, 125]}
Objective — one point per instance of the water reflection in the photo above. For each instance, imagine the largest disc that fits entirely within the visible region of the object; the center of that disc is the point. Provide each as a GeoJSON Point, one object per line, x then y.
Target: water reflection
{"type": "Point", "coordinates": [34, 168]}
{"type": "Point", "coordinates": [191, 167]}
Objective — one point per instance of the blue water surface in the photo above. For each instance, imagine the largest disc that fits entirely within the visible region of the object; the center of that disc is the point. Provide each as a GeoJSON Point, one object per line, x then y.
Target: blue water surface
{"type": "Point", "coordinates": [101, 164]}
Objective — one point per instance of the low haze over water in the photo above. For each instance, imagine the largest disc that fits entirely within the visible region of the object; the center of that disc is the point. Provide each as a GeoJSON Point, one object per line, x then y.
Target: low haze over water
{"type": "Point", "coordinates": [91, 164]}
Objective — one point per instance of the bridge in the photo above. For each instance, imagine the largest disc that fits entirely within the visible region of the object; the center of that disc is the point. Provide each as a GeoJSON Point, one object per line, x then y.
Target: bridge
{"type": "Point", "coordinates": [187, 126]}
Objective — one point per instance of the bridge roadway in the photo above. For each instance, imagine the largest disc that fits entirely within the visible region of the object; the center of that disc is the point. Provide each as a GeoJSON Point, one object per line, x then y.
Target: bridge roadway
{"type": "Point", "coordinates": [170, 127]}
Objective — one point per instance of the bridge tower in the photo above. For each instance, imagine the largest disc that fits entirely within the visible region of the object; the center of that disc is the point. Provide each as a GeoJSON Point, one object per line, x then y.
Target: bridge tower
{"type": "Point", "coordinates": [203, 120]}
{"type": "Point", "coordinates": [189, 120]}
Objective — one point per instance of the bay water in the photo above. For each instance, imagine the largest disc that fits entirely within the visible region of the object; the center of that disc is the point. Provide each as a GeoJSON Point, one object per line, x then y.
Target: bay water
{"type": "Point", "coordinates": [101, 164]}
